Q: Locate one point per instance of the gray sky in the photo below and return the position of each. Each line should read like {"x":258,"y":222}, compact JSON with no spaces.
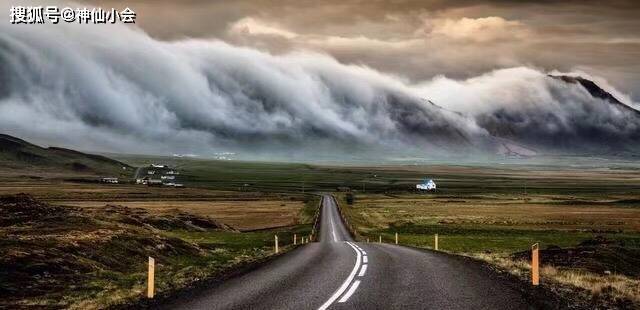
{"x":418,"y":40}
{"x":299,"y":78}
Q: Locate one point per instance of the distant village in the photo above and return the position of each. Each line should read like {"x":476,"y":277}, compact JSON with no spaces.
{"x":153,"y":175}
{"x":163,"y":175}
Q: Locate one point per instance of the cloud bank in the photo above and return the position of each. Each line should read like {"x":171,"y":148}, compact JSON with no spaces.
{"x":542,"y":112}
{"x":115,"y":89}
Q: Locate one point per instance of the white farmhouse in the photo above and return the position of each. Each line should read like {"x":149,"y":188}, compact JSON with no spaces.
{"x":429,"y":185}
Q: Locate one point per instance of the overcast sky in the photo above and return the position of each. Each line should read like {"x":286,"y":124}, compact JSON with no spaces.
{"x":347,"y":78}
{"x":418,"y":40}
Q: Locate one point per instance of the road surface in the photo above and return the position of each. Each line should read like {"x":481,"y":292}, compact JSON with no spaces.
{"x":338,"y":273}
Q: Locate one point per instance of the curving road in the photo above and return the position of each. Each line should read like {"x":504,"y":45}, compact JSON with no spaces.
{"x":338,"y":273}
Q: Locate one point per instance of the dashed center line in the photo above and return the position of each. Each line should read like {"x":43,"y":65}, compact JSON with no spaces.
{"x":363,"y":270}
{"x":351,"y":283}
{"x":333,"y":229}
{"x":346,"y":282}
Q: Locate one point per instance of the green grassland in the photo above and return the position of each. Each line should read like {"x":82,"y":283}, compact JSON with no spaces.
{"x":453,"y":180}
{"x":490,"y":224}
{"x":478,"y":209}
{"x":498,"y":200}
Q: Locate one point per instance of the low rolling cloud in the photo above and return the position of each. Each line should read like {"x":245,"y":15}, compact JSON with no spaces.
{"x":114,"y":88}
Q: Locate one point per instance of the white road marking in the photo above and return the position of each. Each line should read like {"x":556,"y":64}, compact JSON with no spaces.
{"x":365,"y":259}
{"x":346,"y":282}
{"x":352,"y":289}
{"x":333,"y":230}
{"x":364,"y":253}
{"x":363,"y":270}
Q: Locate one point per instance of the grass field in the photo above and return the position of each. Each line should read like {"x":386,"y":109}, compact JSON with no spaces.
{"x":243,"y":215}
{"x":591,"y":179}
{"x":587,"y":222}
{"x":486,"y":211}
{"x":494,"y":223}
{"x":102,"y":250}
{"x":95,"y":256}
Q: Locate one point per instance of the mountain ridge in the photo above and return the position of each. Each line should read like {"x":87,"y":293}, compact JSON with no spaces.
{"x":19,"y":154}
{"x":595,"y":90}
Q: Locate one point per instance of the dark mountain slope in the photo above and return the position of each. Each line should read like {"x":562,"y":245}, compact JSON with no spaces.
{"x":564,"y":123}
{"x":596,"y":91}
{"x":19,"y":154}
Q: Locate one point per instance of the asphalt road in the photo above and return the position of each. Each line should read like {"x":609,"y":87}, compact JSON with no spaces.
{"x":337,"y":273}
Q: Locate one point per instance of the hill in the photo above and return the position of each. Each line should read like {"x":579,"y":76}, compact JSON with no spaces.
{"x":68,"y":257}
{"x":574,"y":116}
{"x":596,"y":91}
{"x":16,"y":153}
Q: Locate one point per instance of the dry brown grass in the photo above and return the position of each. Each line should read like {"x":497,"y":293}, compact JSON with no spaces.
{"x":617,"y":286}
{"x":241,"y":215}
{"x":60,"y":190}
{"x":241,"y":210}
{"x":500,"y":210}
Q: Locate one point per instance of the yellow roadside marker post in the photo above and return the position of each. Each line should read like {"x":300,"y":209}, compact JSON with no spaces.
{"x":295,"y":239}
{"x":396,"y":238}
{"x":535,"y":262}
{"x":151,"y":277}
{"x":276,"y":245}
{"x":380,"y":239}
{"x":436,"y":242}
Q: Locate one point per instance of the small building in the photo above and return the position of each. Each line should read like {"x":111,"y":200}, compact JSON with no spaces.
{"x":168,"y":177}
{"x":159,"y":166}
{"x":142,"y":181}
{"x":151,"y":172}
{"x":109,"y":180}
{"x":427,"y":185}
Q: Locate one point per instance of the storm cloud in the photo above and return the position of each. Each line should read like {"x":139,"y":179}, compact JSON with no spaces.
{"x":419,"y":39}
{"x":86,"y":87}
{"x":549,"y":113}
{"x":113,"y":88}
